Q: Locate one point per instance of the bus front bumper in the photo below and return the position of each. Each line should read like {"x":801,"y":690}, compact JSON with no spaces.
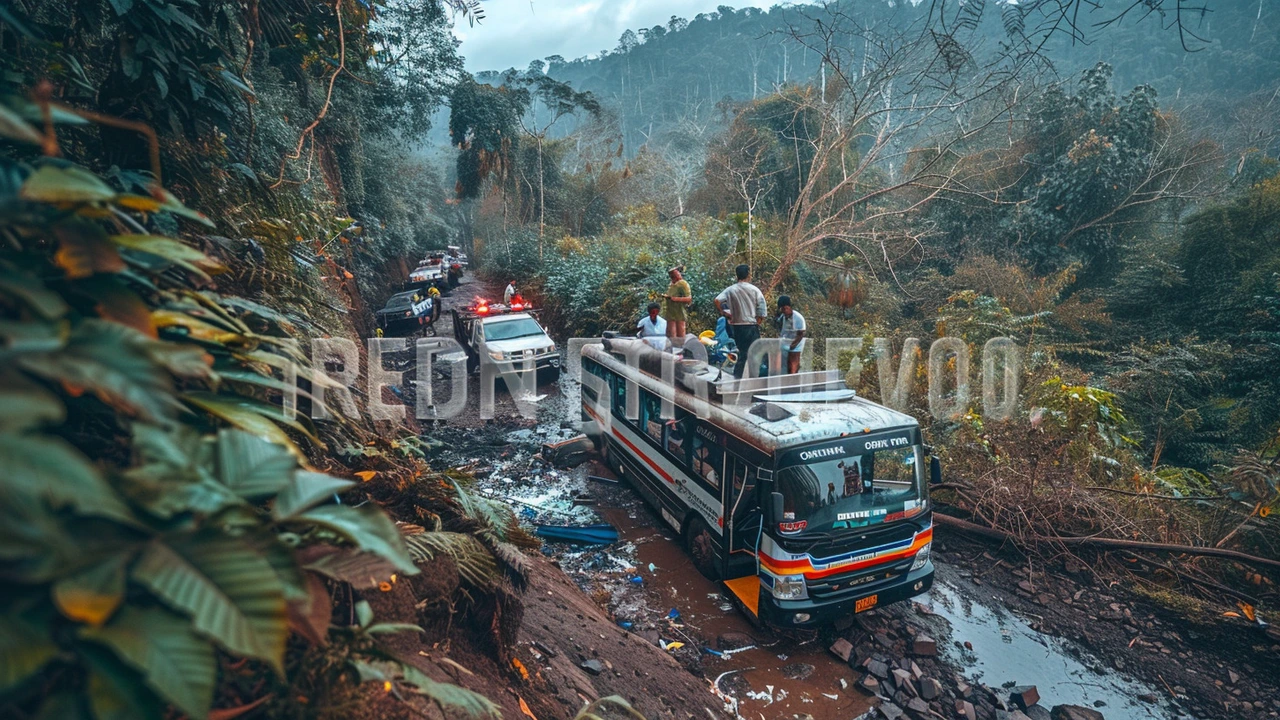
{"x":808,"y":613}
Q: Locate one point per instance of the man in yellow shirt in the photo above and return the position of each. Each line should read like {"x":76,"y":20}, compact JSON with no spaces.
{"x":678,"y":298}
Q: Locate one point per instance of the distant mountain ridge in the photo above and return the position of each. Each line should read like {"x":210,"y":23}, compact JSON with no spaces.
{"x":663,"y":79}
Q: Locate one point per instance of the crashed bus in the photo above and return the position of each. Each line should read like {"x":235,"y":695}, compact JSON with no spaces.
{"x":808,"y":502}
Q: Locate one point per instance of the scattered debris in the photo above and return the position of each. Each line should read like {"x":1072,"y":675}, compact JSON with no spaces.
{"x":567,"y":453}
{"x":924,"y":645}
{"x":842,"y":649}
{"x":1024,"y":696}
{"x":602,"y":534}
{"x":593,"y":666}
{"x":1074,"y":712}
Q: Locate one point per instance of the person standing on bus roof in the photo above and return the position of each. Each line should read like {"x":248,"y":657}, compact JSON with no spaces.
{"x":678,"y":298}
{"x":652,"y":328}
{"x":791,"y":329}
{"x":509,"y":293}
{"x":745,"y":310}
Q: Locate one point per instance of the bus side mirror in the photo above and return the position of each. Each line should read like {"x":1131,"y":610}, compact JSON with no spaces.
{"x":935,"y":471}
{"x":775,"y":506}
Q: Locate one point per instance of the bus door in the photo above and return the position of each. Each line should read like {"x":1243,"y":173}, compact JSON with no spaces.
{"x":742,"y":515}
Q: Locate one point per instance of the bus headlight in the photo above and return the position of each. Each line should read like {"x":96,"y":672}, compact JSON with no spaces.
{"x":922,"y":557}
{"x":790,"y":587}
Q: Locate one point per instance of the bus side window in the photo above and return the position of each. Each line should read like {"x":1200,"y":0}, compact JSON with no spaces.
{"x":651,"y":416}
{"x":678,"y":431}
{"x":708,"y":461}
{"x":619,"y":386}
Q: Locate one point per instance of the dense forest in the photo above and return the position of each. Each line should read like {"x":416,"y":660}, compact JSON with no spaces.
{"x":1106,"y":199}
{"x":192,"y":192}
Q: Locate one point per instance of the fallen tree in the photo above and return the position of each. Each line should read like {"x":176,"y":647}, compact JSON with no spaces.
{"x":1106,"y":543}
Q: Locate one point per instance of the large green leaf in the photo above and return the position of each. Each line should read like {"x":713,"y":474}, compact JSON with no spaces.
{"x":227,"y":409}
{"x":34,"y":294}
{"x":111,"y":361}
{"x":13,"y":127}
{"x":172,"y":473}
{"x":117,"y":691}
{"x":368,"y":527}
{"x":53,"y":470}
{"x":93,"y":594}
{"x":230,"y":590}
{"x":24,"y":649}
{"x":253,"y":467}
{"x":179,"y":665}
{"x":449,"y":696}
{"x":174,"y":251}
{"x":52,"y":184}
{"x":361,"y":569}
{"x":306,"y":489}
{"x":24,"y":404}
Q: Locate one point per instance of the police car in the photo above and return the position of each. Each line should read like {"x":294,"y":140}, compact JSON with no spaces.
{"x":509,"y":337}
{"x":406,"y":313}
{"x":431,"y":272}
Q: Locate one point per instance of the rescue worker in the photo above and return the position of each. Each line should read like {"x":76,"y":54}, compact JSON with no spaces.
{"x":744,"y":306}
{"x":678,"y":298}
{"x":652,"y":328}
{"x":509,"y":293}
{"x":791,"y":329}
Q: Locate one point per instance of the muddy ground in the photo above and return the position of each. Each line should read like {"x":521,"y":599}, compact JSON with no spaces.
{"x":635,"y":619}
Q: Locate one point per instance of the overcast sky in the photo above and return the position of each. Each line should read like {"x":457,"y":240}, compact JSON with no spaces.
{"x":515,"y":32}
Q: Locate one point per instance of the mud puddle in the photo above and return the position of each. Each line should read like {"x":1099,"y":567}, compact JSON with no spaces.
{"x":1000,"y":649}
{"x":761,"y":673}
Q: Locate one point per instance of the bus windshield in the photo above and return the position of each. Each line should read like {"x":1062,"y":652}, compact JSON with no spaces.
{"x":852,"y":491}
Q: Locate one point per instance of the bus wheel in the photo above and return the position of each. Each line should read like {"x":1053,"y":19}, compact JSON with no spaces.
{"x":702,"y":548}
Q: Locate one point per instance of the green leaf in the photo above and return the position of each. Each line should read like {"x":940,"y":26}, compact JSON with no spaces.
{"x":122,"y":6}
{"x":175,"y":206}
{"x":237,"y":83}
{"x":231,"y":592}
{"x":368,"y":672}
{"x":53,"y":470}
{"x":91,"y":595}
{"x":111,"y":361}
{"x":34,"y":294}
{"x":177,"y":664}
{"x":15,"y":128}
{"x":25,"y":404}
{"x":360,"y":569}
{"x":253,"y":467}
{"x":50,"y":184}
{"x":24,"y":649}
{"x":364,"y":613}
{"x":306,"y":489}
{"x":117,"y":691}
{"x":368,"y":528}
{"x":172,"y":250}
{"x":227,"y":409}
{"x":449,"y":696}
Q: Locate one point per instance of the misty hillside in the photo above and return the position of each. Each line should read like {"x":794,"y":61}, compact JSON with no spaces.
{"x":656,"y":78}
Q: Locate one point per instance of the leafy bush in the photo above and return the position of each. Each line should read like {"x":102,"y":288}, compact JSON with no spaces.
{"x":155,"y":499}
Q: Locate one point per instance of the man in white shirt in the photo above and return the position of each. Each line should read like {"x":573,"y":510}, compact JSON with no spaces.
{"x":510,"y":293}
{"x":652,"y":328}
{"x":744,"y":306}
{"x":791,"y":329}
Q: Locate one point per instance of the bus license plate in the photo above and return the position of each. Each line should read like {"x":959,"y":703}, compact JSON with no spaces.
{"x":865,"y":603}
